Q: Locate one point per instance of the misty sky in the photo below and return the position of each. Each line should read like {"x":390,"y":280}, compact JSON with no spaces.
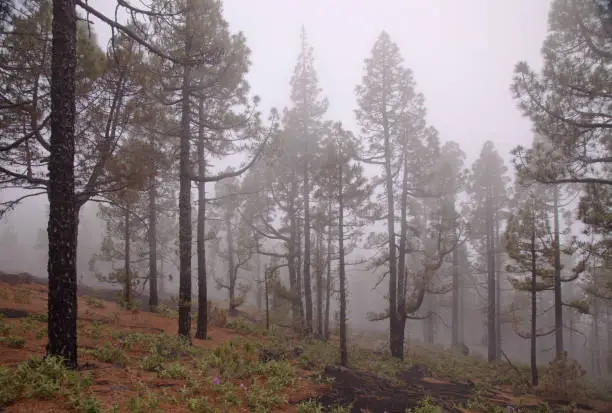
{"x":462,"y":54}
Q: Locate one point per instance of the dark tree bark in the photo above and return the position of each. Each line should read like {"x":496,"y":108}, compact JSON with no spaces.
{"x":307,"y":277}
{"x":395,"y":323}
{"x":185,"y":236}
{"x":127,"y":259}
{"x":231,"y":271}
{"x":328,"y":285}
{"x":498,"y":270}
{"x":319,"y":269}
{"x":558,"y":302}
{"x":63,"y":212}
{"x":152,"y":238}
{"x":342,"y":271}
{"x":202,"y":326}
{"x":491,"y":285}
{"x":534,"y":291}
{"x":455,"y":304}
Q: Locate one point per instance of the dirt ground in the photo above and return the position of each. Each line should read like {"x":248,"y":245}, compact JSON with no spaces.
{"x":115,"y":385}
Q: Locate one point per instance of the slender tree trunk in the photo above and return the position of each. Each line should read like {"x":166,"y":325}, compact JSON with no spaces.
{"x":319,"y":270}
{"x":328,"y":285}
{"x":491,"y":286}
{"x":231,"y":272}
{"x":570,"y":334}
{"x":557,"y":289}
{"x":595,"y":347}
{"x":455,"y":320}
{"x":293,"y":252}
{"x":307,"y":276}
{"x":162,"y":279}
{"x":127,"y":259}
{"x":267,"y":297}
{"x":260,"y":287}
{"x":534,"y":366}
{"x":152,"y":238}
{"x":184,"y":201}
{"x":342,"y":271}
{"x":401,"y":260}
{"x":395,"y":335}
{"x":299,"y":273}
{"x":62,"y":228}
{"x":202,"y":324}
{"x":498,"y":295}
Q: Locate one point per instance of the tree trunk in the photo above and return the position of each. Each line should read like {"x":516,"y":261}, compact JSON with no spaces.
{"x":293,"y":252}
{"x":342,"y":272}
{"x":595,"y":348}
{"x":307,"y":277}
{"x":491,"y":336}
{"x":328,"y":285}
{"x":498,"y":295}
{"x":127,"y":259}
{"x":319,"y":267}
{"x":162,"y":279}
{"x":534,"y":366}
{"x":396,"y":344}
{"x":267,"y":297}
{"x":63,"y":212}
{"x":402,"y":273}
{"x":260,"y":287}
{"x":231,"y":272}
{"x":202,"y":324}
{"x":152,"y":238}
{"x":455,"y":315}
{"x":558,"y":302}
{"x":184,"y":201}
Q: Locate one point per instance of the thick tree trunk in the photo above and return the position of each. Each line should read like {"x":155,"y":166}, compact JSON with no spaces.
{"x":63,"y":212}
{"x":342,"y":272}
{"x":202,"y":324}
{"x":184,"y":201}
{"x":127,"y":259}
{"x":534,"y":366}
{"x":152,"y":238}
{"x":558,"y":302}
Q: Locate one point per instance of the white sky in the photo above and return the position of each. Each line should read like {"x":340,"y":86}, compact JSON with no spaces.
{"x":462,"y":54}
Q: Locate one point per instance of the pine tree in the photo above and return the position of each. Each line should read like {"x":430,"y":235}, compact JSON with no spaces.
{"x":529,"y":244}
{"x":488,"y":197}
{"x":351,"y":191}
{"x":396,"y":138}
{"x":305,"y":118}
{"x":565,"y":100}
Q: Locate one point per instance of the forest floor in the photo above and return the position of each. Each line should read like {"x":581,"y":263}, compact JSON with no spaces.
{"x":132,"y":361}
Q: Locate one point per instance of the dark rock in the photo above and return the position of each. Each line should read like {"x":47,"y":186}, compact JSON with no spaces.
{"x":415,"y":372}
{"x":12,"y":313}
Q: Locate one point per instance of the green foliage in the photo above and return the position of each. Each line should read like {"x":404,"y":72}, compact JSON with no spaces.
{"x":110,"y":354}
{"x":426,"y":406}
{"x":45,"y":379}
{"x":22,"y":295}
{"x":13,"y":342}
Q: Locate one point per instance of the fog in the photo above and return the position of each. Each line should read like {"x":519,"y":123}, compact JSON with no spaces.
{"x":462,"y":56}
